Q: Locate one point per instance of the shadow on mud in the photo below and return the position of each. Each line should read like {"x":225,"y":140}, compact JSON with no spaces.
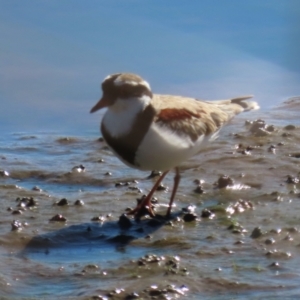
{"x":77,"y":240}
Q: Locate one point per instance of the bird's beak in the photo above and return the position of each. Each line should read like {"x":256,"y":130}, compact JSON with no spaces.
{"x":103,"y":102}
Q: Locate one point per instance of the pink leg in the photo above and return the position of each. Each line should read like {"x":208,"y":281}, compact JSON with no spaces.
{"x":146,"y":202}
{"x":176,"y":183}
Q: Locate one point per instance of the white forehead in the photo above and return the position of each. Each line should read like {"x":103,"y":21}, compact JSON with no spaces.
{"x":119,"y":81}
{"x":107,"y":77}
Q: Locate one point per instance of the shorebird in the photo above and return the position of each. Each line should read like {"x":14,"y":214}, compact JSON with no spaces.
{"x":149,"y":131}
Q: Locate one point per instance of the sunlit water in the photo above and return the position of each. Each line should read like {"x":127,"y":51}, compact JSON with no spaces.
{"x":216,"y":257}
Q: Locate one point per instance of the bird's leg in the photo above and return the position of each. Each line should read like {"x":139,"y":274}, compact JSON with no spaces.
{"x":146,"y":202}
{"x":176,"y":183}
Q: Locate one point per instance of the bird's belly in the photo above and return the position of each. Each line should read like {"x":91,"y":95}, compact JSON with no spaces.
{"x":162,"y":149}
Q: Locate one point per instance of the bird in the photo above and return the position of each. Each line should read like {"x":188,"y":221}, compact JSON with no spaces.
{"x":148,"y":131}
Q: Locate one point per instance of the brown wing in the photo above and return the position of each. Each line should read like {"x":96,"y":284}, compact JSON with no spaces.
{"x":193,"y":117}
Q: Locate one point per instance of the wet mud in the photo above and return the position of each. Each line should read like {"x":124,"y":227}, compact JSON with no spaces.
{"x":234,"y":231}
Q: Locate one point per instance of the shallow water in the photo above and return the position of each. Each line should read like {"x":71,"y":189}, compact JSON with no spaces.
{"x":210,"y":258}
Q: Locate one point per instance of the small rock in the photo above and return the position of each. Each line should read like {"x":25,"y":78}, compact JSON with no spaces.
{"x":190,"y":217}
{"x":4,"y":173}
{"x":37,"y":189}
{"x":274,"y":264}
{"x":62,"y":202}
{"x":16,"y":225}
{"x":31,"y":202}
{"x":132,"y":296}
{"x":79,"y":202}
{"x":154,"y":174}
{"x":120,"y":184}
{"x":98,"y":219}
{"x":256,"y":233}
{"x":124,"y":222}
{"x":256,"y":125}
{"x":206,"y":213}
{"x":199,"y":189}
{"x":270,"y":241}
{"x":260,"y":132}
{"x":58,"y":218}
{"x":78,"y":169}
{"x":270,"y":128}
{"x":272,"y":149}
{"x":290,"y":127}
{"x":292,"y":179}
{"x":161,"y":187}
{"x":224,"y":181}
{"x":189,"y":209}
{"x":286,"y":135}
{"x":295,"y":155}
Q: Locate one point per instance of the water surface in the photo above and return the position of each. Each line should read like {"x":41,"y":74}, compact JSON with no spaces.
{"x":211,"y":258}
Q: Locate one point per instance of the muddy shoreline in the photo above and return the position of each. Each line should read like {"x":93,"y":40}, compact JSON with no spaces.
{"x":234,"y":231}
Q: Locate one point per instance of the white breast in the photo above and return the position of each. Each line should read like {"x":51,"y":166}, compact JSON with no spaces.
{"x":162,"y":149}
{"x":119,"y":118}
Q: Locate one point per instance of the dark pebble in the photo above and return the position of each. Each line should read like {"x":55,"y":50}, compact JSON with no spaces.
{"x":272,"y":149}
{"x":270,"y":128}
{"x":124,"y":222}
{"x":79,"y":169}
{"x":79,"y":202}
{"x":21,"y":204}
{"x":16,"y":212}
{"x":199,"y":189}
{"x":224,"y":181}
{"x":108,"y":174}
{"x":154,"y":174}
{"x":58,"y":218}
{"x":62,"y":202}
{"x":206,"y":213}
{"x":270,"y":241}
{"x":31,"y":202}
{"x":26,"y":202}
{"x":239,"y":242}
{"x":161,"y":187}
{"x":4,"y":173}
{"x":274,"y":264}
{"x":37,"y":189}
{"x":135,"y":188}
{"x":189,"y":209}
{"x":286,"y":134}
{"x":132,"y":296}
{"x":120,"y":184}
{"x":190,"y":217}
{"x":257,"y":124}
{"x":256,"y":233}
{"x":98,"y":219}
{"x":16,"y":225}
{"x":292,"y":179}
{"x":290,"y":127}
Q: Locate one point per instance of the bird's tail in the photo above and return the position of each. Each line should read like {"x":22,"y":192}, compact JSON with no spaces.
{"x":236,"y":105}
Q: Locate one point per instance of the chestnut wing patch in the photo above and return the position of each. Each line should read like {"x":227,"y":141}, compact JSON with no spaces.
{"x":185,"y":122}
{"x":172,"y":114}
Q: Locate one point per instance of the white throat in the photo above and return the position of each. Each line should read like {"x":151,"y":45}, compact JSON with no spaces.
{"x":119,"y":118}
